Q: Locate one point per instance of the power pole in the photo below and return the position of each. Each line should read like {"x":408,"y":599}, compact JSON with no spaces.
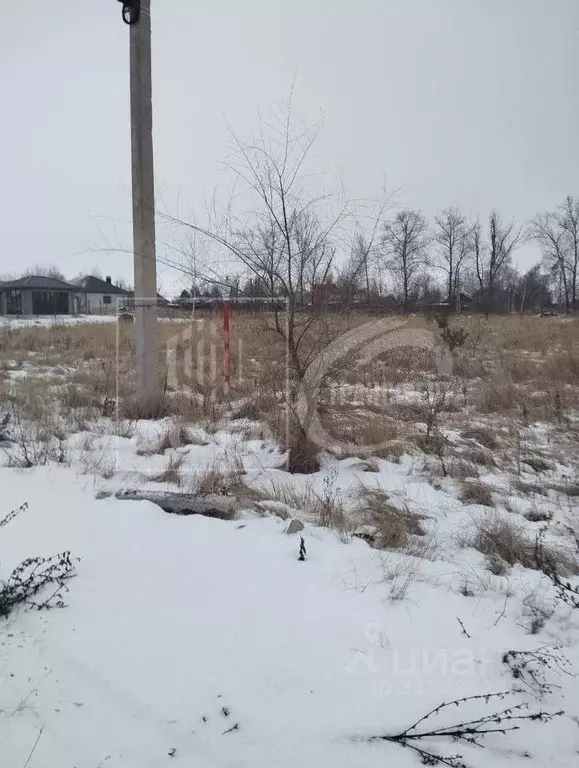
{"x":137,"y":14}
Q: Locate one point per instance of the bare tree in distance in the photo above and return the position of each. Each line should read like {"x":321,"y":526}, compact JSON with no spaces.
{"x":42,"y":270}
{"x":545,"y":229}
{"x":451,"y":246}
{"x":532,"y":290}
{"x":276,"y":229}
{"x":493,"y":256}
{"x":569,"y":220}
{"x":405,"y":241}
{"x":366,"y":245}
{"x":123,"y":284}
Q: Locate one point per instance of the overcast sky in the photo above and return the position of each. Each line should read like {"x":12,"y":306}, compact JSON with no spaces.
{"x":459,"y":102}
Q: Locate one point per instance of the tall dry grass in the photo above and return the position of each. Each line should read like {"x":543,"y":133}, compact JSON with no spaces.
{"x":510,"y":370}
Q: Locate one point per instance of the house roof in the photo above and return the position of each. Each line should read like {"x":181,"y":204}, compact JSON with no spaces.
{"x":92,"y":284}
{"x":37,"y":283}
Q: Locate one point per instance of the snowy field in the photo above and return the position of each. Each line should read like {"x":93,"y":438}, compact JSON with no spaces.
{"x":51,"y":321}
{"x":192,"y":641}
{"x":178,"y":629}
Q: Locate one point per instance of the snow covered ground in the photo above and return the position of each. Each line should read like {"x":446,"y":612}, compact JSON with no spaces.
{"x":198,"y":642}
{"x":48,"y":321}
{"x":60,"y":321}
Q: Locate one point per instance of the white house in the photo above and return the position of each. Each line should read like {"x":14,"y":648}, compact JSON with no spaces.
{"x":98,"y":296}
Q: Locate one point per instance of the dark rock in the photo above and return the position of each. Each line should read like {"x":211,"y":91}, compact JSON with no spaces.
{"x":212,"y":505}
{"x":295,"y":526}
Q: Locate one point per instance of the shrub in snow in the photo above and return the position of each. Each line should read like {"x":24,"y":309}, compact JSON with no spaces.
{"x":496,"y":565}
{"x":37,"y":581}
{"x":497,"y":536}
{"x":548,"y":561}
{"x":476,"y":493}
{"x":393,"y":527}
{"x":454,"y":337}
{"x":4,"y":421}
{"x":468,"y":730}
{"x":530,"y":668}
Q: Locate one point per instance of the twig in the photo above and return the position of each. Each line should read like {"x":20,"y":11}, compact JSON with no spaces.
{"x":32,"y":690}
{"x":468,"y":731}
{"x":464,"y":632}
{"x":531,"y":667}
{"x":11,"y":515}
{"x":32,"y":751}
{"x":503,"y":612}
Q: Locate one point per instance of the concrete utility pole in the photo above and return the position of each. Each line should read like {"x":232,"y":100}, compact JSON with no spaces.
{"x":137,"y":14}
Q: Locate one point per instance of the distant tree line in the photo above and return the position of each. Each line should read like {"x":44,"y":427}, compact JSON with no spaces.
{"x":281,"y":235}
{"x":405,"y":262}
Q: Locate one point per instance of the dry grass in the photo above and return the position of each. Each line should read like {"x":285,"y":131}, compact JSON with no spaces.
{"x":325,"y":508}
{"x":301,"y":499}
{"x":499,"y":395}
{"x":177,"y":435}
{"x":475,"y":492}
{"x":172,"y":471}
{"x":483,"y":435}
{"x":400,"y":571}
{"x":330,"y":513}
{"x":527,"y":488}
{"x":394,"y":451}
{"x":537,"y":463}
{"x":461,"y":468}
{"x":212,"y":480}
{"x":395,"y":527}
{"x":224,"y":478}
{"x":369,"y":465}
{"x":479,"y":456}
{"x":538,"y":515}
{"x":517,"y":368}
{"x":100,"y":462}
{"x":570,"y":488}
{"x":376,"y":432}
{"x":499,"y":537}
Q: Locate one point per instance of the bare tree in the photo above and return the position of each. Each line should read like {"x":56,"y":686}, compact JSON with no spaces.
{"x":568,"y":219}
{"x":546,"y":230}
{"x":532,"y":290}
{"x":365,"y":250}
{"x":123,"y":284}
{"x":42,"y":270}
{"x":450,"y":240}
{"x":405,"y":240}
{"x":279,"y":232}
{"x":492,"y":258}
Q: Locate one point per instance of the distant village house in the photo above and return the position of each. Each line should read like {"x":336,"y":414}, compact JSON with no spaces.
{"x":37,"y":295}
{"x":41,"y":295}
{"x":96,"y":296}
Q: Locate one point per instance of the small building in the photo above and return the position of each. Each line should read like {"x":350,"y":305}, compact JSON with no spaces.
{"x":37,"y":295}
{"x":98,"y":296}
